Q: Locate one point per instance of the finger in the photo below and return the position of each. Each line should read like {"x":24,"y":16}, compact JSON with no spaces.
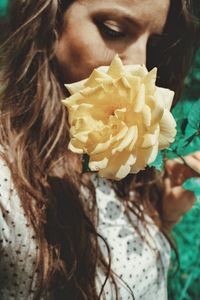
{"x":196,"y":155}
{"x":183,"y":195}
{"x":177,"y":202}
{"x":177,"y":192}
{"x":178,"y":173}
{"x":192,"y":159}
{"x":169,"y":165}
{"x":167,"y":185}
{"x":186,"y":199}
{"x":193,"y":162}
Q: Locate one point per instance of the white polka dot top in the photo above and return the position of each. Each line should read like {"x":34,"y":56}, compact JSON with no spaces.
{"x":140,"y":267}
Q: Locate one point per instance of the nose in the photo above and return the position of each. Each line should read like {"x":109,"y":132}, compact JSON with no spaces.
{"x":136,"y":52}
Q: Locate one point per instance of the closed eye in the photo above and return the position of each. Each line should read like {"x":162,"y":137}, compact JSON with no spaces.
{"x":110,"y":30}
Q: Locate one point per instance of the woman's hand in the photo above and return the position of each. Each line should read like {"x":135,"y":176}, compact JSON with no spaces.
{"x":177,"y":201}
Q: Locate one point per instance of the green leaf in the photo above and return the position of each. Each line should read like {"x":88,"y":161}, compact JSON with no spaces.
{"x":182,"y":108}
{"x":186,"y":146}
{"x":193,"y":185}
{"x":3,"y":7}
{"x":194,"y":145}
{"x":85,"y":163}
{"x":187,"y":115}
{"x":197,"y":75}
{"x":194,"y":115}
{"x":158,"y":162}
{"x":190,"y":131}
{"x":170,"y":153}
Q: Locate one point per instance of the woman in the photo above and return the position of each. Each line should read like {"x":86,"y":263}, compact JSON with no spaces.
{"x":68,"y":235}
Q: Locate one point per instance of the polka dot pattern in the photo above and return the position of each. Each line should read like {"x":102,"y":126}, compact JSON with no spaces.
{"x":18,"y":248}
{"x":140,"y":267}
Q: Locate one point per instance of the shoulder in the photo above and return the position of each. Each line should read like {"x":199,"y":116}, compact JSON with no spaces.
{"x":18,"y":248}
{"x":9,"y":201}
{"x":6,"y":184}
{"x":12,"y":216}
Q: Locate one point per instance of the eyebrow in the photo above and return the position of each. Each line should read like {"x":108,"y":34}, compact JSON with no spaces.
{"x":128,"y":17}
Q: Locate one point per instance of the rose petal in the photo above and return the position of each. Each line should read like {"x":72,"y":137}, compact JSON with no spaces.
{"x":73,"y":100}
{"x":156,"y":110}
{"x":143,"y":156}
{"x":119,"y":135}
{"x":116,"y":68}
{"x":139,"y":71}
{"x":85,"y":123}
{"x":167,"y":130}
{"x":140,"y":99}
{"x":135,"y":83}
{"x":81,"y":136}
{"x":122,"y":92}
{"x":132,"y":144}
{"x":101,"y":147}
{"x":153,"y":154}
{"x":164,"y":97}
{"x":120,"y":113}
{"x":75,"y":146}
{"x":151,"y":138}
{"x":150,"y":80}
{"x":98,"y":165}
{"x":79,"y":112}
{"x":115,"y":169}
{"x":127,"y":140}
{"x":146,"y":114}
{"x":76,"y":86}
{"x":95,"y":77}
{"x":124,"y":170}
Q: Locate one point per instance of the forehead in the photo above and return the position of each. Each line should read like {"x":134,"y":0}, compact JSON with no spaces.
{"x":151,"y":13}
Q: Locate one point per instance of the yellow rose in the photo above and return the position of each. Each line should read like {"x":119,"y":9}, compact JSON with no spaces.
{"x":120,"y":118}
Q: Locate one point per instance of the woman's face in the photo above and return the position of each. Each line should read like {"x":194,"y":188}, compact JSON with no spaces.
{"x":95,"y":30}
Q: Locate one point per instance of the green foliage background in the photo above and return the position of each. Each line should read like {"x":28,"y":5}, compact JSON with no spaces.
{"x":185,"y":283}
{"x":3,"y":7}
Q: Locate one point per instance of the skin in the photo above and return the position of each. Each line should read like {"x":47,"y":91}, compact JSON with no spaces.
{"x":86,"y":41}
{"x":93,"y":32}
{"x":177,"y":201}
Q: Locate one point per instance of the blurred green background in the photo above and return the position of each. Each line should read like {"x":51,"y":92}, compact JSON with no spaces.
{"x":184,"y":283}
{"x":3,"y":7}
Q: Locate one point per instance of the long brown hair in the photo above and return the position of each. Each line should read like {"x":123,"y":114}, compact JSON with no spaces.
{"x":34,"y":136}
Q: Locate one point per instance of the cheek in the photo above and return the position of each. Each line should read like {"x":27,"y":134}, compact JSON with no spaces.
{"x":78,"y":55}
